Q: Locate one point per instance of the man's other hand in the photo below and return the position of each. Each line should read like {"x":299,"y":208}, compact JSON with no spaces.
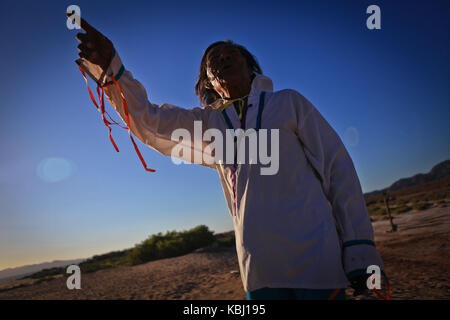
{"x":359,"y":284}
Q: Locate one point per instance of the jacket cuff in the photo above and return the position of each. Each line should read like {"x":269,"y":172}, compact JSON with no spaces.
{"x":100,"y":76}
{"x":358,"y":255}
{"x":115,"y":69}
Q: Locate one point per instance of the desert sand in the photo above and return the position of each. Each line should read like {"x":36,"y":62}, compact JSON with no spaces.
{"x":416,"y":258}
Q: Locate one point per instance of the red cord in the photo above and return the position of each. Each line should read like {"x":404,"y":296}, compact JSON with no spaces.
{"x":378,"y":294}
{"x":101,"y":109}
{"x":388,"y":290}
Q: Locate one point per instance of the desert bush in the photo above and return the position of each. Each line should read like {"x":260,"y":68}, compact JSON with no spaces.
{"x":439,"y":195}
{"x":421,"y":206}
{"x":171,"y":244}
{"x":375,"y":210}
{"x":400,"y":209}
{"x":108,"y":260}
{"x":226,"y":239}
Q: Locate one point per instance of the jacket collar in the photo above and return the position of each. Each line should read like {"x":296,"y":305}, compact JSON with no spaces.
{"x":259,"y":83}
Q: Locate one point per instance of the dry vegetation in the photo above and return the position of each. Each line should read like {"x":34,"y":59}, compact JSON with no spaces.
{"x":410,"y":199}
{"x":416,"y":259}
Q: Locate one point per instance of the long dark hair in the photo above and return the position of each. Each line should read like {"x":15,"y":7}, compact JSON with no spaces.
{"x":203,"y":90}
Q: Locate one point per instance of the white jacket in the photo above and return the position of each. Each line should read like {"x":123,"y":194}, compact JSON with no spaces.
{"x":306,"y":226}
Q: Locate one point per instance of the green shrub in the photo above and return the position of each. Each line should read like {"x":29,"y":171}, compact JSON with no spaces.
{"x":171,"y":244}
{"x":107,"y":260}
{"x":226,"y":239}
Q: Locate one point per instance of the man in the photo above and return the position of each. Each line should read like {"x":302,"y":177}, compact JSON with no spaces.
{"x":301,"y":233}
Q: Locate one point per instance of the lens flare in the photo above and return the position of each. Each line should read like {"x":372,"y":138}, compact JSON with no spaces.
{"x":55,"y":169}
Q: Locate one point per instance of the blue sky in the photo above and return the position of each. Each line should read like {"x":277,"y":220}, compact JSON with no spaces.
{"x":65,"y":192}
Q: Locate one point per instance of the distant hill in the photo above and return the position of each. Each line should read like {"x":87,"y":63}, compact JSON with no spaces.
{"x":19,"y":272}
{"x":438,"y":172}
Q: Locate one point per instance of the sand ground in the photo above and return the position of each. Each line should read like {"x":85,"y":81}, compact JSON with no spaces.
{"x":416,"y":257}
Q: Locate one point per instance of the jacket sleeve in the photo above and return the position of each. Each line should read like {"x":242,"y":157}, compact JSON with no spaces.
{"x":329,"y":158}
{"x":153,"y":124}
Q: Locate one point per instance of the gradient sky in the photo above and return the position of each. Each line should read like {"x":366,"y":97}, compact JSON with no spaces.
{"x":64,"y":191}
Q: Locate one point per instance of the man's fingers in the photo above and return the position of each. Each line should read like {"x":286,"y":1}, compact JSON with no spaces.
{"x":84,"y":24}
{"x":83,"y":55}
{"x":82,"y":37}
{"x":94,"y":46}
{"x":84,"y":48}
{"x":89,"y":54}
{"x":87,"y":27}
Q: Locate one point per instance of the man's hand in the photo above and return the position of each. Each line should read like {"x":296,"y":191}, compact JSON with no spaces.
{"x":94,"y":46}
{"x":359,"y":284}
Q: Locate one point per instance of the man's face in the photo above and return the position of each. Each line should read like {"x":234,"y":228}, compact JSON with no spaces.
{"x":226,"y":67}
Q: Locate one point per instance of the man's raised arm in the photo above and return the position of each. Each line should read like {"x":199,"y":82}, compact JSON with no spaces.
{"x":152,"y":124}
